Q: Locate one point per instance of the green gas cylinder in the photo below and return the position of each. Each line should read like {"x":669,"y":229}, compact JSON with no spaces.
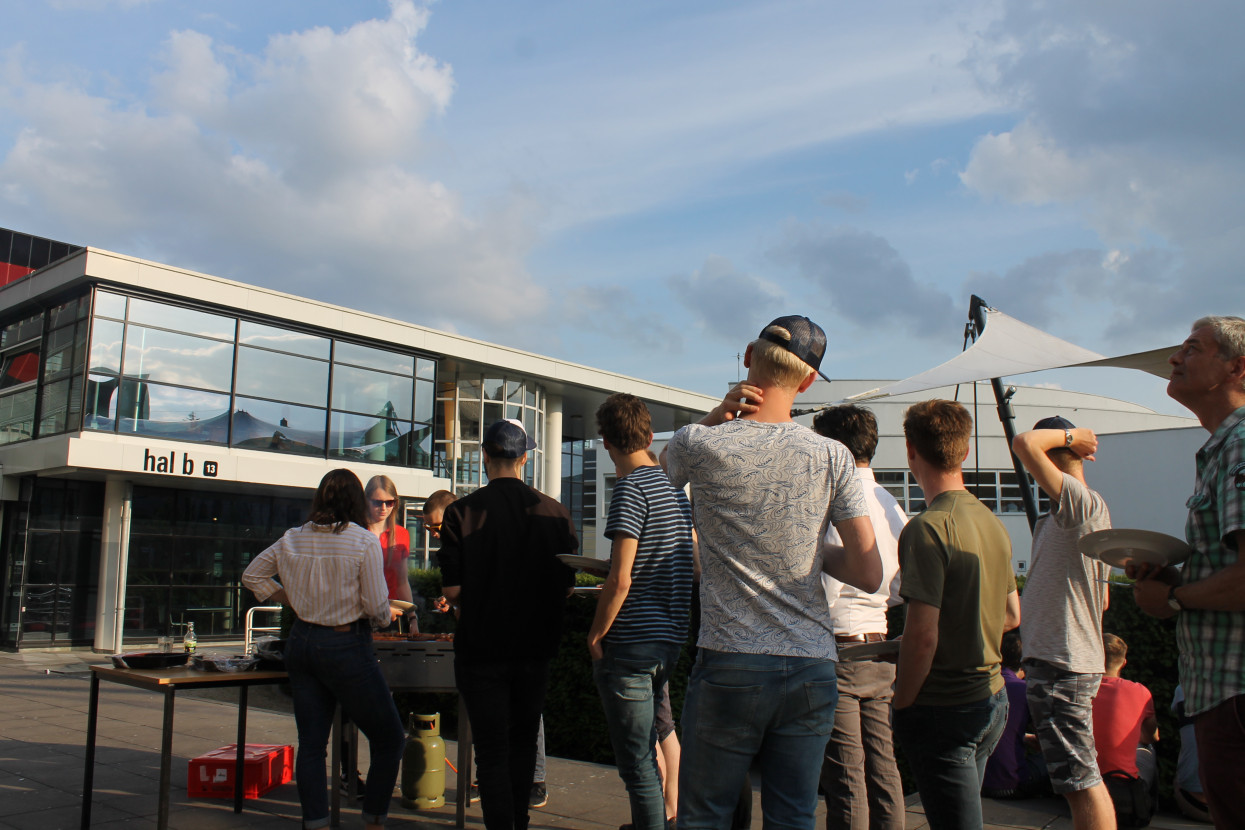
{"x":423,"y":764}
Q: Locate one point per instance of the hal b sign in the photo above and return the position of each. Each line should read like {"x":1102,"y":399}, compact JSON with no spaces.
{"x":171,"y":465}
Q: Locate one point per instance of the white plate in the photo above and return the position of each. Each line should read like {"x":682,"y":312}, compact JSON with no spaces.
{"x":586,"y":563}
{"x":849,"y":652}
{"x":401,"y":604}
{"x":1122,"y":547}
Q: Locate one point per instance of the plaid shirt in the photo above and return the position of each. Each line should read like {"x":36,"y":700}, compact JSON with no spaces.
{"x":1212,"y":643}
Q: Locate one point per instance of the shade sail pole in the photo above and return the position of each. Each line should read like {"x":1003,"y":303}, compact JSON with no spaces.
{"x":977,"y":313}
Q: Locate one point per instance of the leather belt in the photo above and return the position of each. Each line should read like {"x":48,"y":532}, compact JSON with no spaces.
{"x":871,"y":637}
{"x":341,"y":629}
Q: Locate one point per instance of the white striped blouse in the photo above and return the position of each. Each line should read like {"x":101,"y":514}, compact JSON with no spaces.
{"x":330,"y":578}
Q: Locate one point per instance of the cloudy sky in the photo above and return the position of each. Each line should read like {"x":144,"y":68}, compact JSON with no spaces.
{"x":640,"y":186}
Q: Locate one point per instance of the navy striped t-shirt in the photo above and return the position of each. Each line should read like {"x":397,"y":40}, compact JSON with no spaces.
{"x":647,"y":508}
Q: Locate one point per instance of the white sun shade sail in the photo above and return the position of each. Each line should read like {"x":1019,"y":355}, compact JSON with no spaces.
{"x":1010,"y":347}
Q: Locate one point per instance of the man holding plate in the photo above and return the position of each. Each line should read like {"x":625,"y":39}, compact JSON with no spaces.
{"x":1208,"y":377}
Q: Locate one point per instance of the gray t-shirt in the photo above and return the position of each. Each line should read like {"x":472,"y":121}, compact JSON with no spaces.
{"x":762,"y":497}
{"x":1061,"y":608}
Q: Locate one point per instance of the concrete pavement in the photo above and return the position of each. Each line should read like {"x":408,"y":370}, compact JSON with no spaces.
{"x":43,"y":698}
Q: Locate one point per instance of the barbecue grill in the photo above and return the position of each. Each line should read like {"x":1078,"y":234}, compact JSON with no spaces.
{"x":416,"y":665}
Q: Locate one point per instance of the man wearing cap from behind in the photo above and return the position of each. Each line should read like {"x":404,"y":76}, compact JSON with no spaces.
{"x":499,"y":565}
{"x":764,"y":490}
{"x":1061,"y":616}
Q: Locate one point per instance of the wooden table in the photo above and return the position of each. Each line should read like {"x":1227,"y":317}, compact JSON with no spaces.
{"x":167,"y":682}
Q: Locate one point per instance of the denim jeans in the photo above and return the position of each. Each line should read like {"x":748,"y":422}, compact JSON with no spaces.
{"x":326,"y":668}
{"x":774,"y":709}
{"x":630,"y":678}
{"x":947,"y":748}
{"x":504,"y":699}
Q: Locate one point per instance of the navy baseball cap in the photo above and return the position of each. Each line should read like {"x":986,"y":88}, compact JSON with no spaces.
{"x":807,"y":342}
{"x":508,"y":438}
{"x":1054,"y":422}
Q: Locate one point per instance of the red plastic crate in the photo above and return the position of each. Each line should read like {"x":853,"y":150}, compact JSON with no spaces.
{"x":266,"y":766}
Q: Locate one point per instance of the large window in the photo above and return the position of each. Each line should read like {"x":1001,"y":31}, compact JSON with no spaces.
{"x":187,"y":553}
{"x":465,"y":407}
{"x":997,"y":489}
{"x":20,"y":345}
{"x":53,"y":563}
{"x":190,"y":375}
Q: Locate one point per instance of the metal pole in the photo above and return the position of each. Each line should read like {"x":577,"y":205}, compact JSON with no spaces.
{"x":977,"y":311}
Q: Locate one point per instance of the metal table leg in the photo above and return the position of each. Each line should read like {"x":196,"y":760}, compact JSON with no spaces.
{"x":88,"y":775}
{"x":239,"y":770}
{"x":166,"y":759}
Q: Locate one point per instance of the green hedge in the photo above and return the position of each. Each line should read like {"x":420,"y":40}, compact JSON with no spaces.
{"x":575,"y":727}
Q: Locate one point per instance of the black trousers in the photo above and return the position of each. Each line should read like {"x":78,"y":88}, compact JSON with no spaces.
{"x":504,"y":699}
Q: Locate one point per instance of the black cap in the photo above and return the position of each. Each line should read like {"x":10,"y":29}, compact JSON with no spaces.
{"x":1054,"y":422}
{"x":507,"y":439}
{"x":808,"y":341}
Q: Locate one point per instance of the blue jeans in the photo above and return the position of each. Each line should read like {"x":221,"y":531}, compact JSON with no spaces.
{"x":947,"y":748}
{"x":504,"y":699}
{"x":328,"y":667}
{"x":778,"y":710}
{"x":630,"y":678}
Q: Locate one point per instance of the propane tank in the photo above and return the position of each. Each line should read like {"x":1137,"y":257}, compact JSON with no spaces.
{"x":423,"y":764}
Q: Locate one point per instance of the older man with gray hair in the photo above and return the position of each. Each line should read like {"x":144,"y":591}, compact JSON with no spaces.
{"x":1208,"y":377}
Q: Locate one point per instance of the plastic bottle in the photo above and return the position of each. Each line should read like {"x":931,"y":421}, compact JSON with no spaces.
{"x":189,"y":640}
{"x":423,"y":764}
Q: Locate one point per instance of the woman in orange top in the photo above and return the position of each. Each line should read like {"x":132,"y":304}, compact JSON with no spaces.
{"x":383,"y":507}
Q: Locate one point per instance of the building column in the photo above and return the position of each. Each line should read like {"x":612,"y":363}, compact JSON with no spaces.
{"x":114,"y":558}
{"x":552,"y":484}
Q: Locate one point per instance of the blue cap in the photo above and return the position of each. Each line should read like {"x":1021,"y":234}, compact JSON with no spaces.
{"x":1054,"y":422}
{"x":507,"y":439}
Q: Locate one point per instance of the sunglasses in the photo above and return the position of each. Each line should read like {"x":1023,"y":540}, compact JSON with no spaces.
{"x":378,"y":503}
{"x":434,"y":527}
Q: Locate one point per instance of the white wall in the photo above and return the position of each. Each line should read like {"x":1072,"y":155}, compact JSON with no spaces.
{"x":1146,"y":477}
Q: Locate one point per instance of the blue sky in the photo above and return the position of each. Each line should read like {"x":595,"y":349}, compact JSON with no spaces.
{"x":641,"y":186}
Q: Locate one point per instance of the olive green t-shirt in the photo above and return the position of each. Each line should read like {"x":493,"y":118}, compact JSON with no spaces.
{"x":957,"y":557}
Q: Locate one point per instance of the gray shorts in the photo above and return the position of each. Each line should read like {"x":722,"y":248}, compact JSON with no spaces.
{"x":1062,"y":706}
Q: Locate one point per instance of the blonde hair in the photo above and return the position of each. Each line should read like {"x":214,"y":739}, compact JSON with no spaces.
{"x":386,"y":483}
{"x":772,"y":362}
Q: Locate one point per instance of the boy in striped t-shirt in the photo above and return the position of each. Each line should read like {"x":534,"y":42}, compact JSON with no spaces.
{"x":642,"y":613}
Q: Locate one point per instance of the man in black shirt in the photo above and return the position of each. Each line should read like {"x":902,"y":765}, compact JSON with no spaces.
{"x":499,"y":565}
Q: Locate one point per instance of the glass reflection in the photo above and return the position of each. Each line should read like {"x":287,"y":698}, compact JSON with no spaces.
{"x":424,"y":401}
{"x":17,"y":416}
{"x":106,"y":346}
{"x":361,"y":390}
{"x":285,"y":340}
{"x":155,"y":355}
{"x":368,"y":438}
{"x":176,"y":414}
{"x":281,"y":427}
{"x":385,"y":361}
{"x":186,"y":320}
{"x":108,"y":304}
{"x":281,"y":376}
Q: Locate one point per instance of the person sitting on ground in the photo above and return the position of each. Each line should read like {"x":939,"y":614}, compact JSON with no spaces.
{"x":1011,"y":772}
{"x":1125,"y":728}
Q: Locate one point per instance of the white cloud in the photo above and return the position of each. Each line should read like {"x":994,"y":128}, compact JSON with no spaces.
{"x":1127,"y":119}
{"x":296,"y":167}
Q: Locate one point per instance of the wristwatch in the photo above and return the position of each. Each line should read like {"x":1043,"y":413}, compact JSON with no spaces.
{"x":1067,"y":438}
{"x":1172,"y":600}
